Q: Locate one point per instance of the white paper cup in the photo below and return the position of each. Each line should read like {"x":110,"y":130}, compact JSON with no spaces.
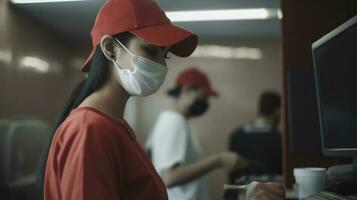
{"x":309,"y":181}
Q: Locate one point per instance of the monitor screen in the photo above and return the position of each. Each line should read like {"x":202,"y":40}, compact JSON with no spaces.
{"x":301,"y":96}
{"x":335,"y":60}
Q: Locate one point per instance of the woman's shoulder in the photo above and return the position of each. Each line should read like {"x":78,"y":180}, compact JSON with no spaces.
{"x":91,"y":116}
{"x":93,"y":122}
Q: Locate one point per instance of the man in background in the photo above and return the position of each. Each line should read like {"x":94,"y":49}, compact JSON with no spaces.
{"x":260,"y":142}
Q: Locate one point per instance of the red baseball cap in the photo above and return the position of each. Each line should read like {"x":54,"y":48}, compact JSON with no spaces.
{"x":145,"y":20}
{"x":196,"y":78}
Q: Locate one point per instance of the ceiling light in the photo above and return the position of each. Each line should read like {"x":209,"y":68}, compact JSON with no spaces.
{"x":41,"y":1}
{"x":280,"y":14}
{"x":222,"y":15}
{"x":197,"y":15}
{"x":34,"y":64}
{"x":227,"y":52}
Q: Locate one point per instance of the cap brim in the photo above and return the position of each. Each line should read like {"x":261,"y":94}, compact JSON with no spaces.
{"x":211,"y":92}
{"x":182,"y":42}
{"x":207,"y":90}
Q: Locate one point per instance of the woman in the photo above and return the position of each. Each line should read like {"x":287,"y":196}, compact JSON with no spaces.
{"x":93,"y":152}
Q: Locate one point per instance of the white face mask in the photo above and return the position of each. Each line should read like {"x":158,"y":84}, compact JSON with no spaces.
{"x":146,"y":78}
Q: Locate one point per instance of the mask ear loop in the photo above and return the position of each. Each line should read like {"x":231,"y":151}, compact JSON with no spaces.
{"x":117,"y":41}
{"x":121,"y":45}
{"x":131,"y":53}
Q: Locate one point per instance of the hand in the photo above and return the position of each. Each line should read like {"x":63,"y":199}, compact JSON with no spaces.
{"x":231,"y":161}
{"x":265,"y":191}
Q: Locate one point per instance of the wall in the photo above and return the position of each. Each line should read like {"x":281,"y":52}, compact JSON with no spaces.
{"x":38,"y":85}
{"x":239,"y":82}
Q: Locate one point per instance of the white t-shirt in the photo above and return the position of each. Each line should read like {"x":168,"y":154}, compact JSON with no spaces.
{"x":171,"y":142}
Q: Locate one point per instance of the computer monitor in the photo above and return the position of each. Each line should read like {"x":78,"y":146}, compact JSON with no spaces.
{"x":335,"y":66}
{"x":301,"y":97}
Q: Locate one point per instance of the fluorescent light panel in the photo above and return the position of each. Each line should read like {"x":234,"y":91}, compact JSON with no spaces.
{"x":227,"y":52}
{"x":42,"y":1}
{"x":35,"y":64}
{"x":197,"y":15}
{"x":222,"y":15}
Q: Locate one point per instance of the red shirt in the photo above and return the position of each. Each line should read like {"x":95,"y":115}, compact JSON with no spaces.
{"x":94,"y":157}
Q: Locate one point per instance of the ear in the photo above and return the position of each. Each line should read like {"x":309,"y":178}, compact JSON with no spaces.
{"x":107,"y":46}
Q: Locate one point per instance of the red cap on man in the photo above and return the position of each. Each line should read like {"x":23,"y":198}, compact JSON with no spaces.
{"x":145,"y":20}
{"x":196,"y":78}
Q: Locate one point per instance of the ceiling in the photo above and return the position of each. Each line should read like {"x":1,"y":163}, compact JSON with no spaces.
{"x":73,"y":20}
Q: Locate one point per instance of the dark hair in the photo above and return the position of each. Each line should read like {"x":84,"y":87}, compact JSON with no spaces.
{"x":97,"y":77}
{"x":269,"y":102}
{"x":174,"y":92}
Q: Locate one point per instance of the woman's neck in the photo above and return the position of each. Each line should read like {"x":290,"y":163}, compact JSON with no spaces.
{"x":110,"y":99}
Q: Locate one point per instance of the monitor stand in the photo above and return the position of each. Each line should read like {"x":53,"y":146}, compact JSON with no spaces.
{"x":342,"y":179}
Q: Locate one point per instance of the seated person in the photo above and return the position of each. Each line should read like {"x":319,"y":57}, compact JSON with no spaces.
{"x":260,"y":142}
